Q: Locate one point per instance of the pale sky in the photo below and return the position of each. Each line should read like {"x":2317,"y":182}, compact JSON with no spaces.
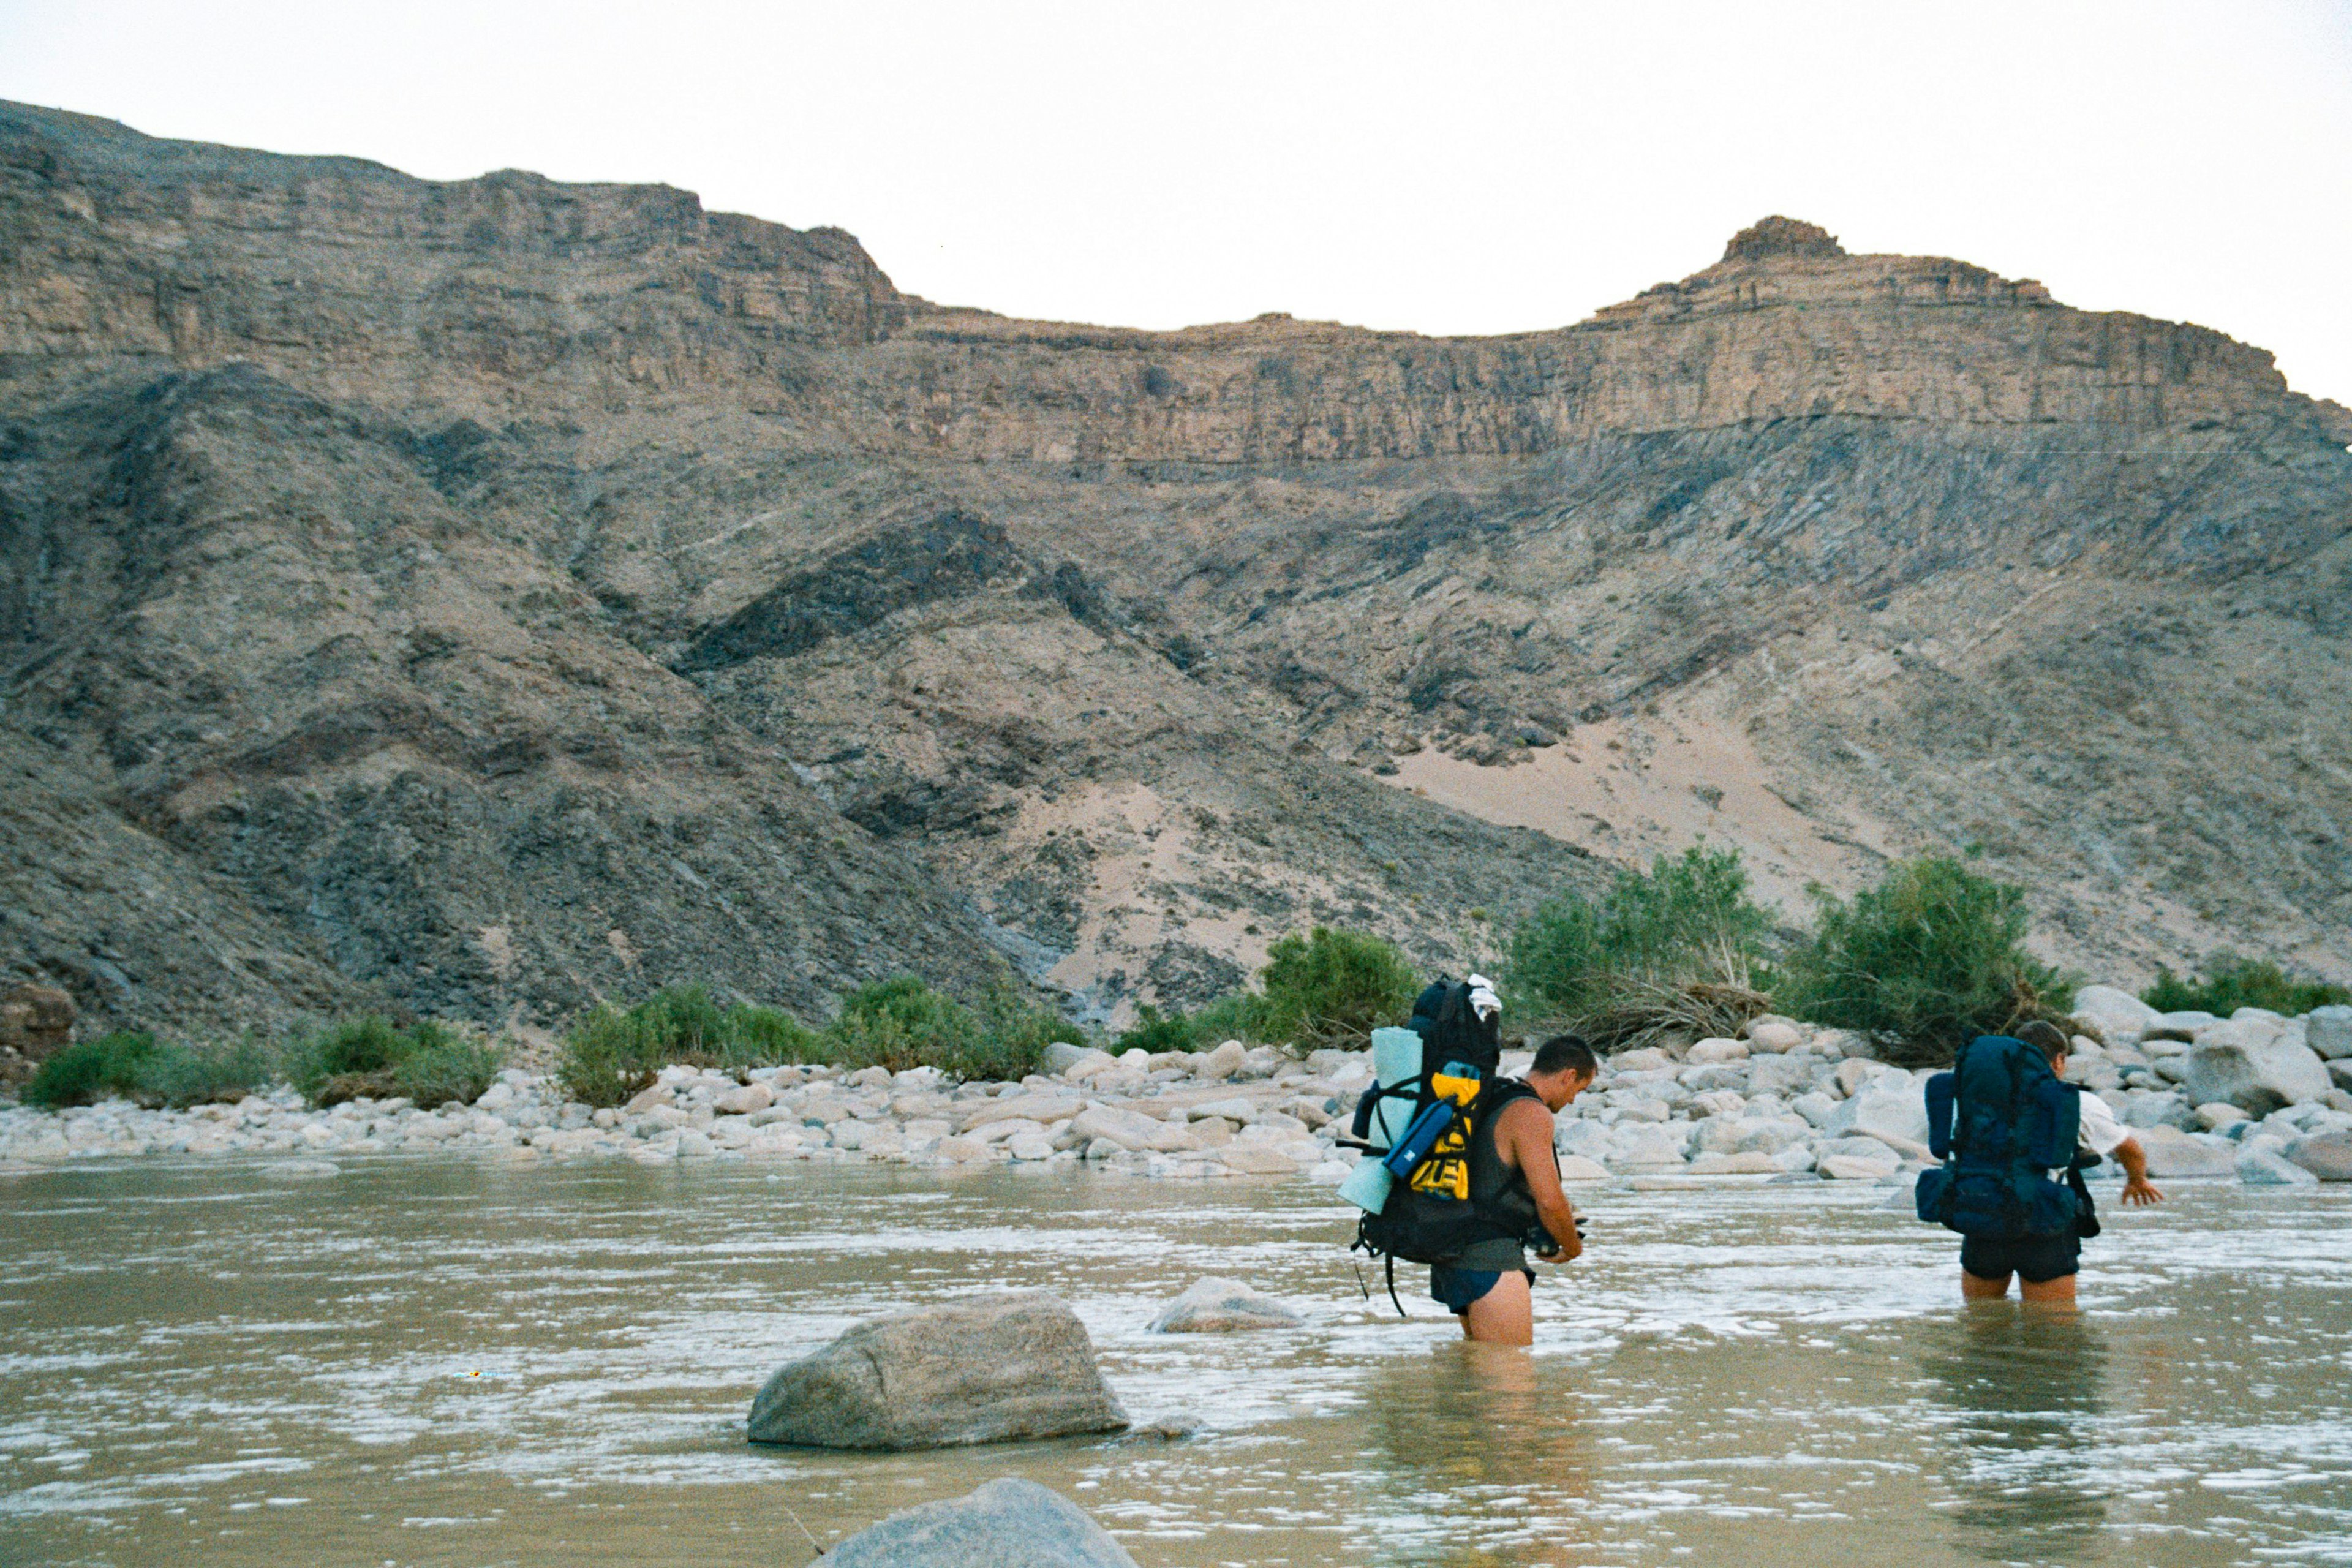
{"x":1449,"y":166}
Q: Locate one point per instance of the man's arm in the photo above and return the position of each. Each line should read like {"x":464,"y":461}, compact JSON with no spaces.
{"x":2138,"y":1188}
{"x":1526,"y":1129}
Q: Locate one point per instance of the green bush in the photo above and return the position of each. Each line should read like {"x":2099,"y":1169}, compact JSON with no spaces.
{"x":1239,"y":1017}
{"x":1331,"y":986}
{"x":90,"y":1070}
{"x":182,"y":1076}
{"x":1671,"y":951}
{"x":138,"y":1066}
{"x":1924,"y":961}
{"x":612,"y":1054}
{"x":2232,"y":982}
{"x":1155,"y":1031}
{"x":902,"y":1023}
{"x":427,"y":1061}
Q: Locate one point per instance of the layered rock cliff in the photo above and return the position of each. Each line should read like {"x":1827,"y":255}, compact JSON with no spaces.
{"x":495,"y":593}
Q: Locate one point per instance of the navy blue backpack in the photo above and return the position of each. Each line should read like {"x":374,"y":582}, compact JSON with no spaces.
{"x":2001,"y":1121}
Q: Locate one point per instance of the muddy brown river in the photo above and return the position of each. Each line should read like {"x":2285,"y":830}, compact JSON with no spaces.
{"x":431,"y":1361}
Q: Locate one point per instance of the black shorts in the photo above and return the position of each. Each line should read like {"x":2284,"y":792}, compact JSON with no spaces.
{"x":2036,"y":1260}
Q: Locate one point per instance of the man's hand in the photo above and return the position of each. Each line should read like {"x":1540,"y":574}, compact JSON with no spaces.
{"x":1561,"y":1251}
{"x":2137,"y":1189}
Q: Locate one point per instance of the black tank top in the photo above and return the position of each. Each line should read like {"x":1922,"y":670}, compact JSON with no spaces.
{"x":1498,"y":1191}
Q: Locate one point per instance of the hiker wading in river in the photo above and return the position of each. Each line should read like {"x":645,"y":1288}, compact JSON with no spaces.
{"x":2009,"y":1122}
{"x":1515,"y":1189}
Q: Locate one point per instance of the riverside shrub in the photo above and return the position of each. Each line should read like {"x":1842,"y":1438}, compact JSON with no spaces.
{"x":1672,"y":950}
{"x":370,"y":1055}
{"x":1331,"y":987}
{"x":2230,"y":982}
{"x":1923,"y":963}
{"x":139,"y":1067}
{"x":612,"y":1054}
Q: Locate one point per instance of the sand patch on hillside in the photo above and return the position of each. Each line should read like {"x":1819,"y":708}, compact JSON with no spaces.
{"x":1631,"y":789}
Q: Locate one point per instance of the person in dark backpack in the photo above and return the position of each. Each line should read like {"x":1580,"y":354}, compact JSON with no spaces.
{"x":2046,"y":1262}
{"x":1514,"y":1187}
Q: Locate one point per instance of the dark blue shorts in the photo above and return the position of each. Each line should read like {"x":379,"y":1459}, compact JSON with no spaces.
{"x":2036,"y":1260}
{"x":1457,"y":1288}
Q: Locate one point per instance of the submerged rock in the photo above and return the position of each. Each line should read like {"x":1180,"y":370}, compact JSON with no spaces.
{"x":1210,"y":1305}
{"x":1008,"y":1523}
{"x":1003,"y":1368}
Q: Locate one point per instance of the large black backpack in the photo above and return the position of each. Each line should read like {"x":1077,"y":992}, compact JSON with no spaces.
{"x":2001,"y":1121}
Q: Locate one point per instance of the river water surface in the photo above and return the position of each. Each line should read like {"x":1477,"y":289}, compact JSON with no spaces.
{"x":431,"y":1361}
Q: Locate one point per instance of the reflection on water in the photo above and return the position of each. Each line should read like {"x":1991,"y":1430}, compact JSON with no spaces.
{"x":2022,"y":1384}
{"x":434,"y":1363}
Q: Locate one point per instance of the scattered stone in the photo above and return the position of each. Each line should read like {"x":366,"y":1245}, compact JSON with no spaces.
{"x":302,"y":1169}
{"x":2177,"y":1154}
{"x":1892,"y":1106}
{"x":2253,"y":1064}
{"x":1008,"y":1367}
{"x":1748,"y":1164}
{"x":1849,"y":1168}
{"x":2218,"y":1115}
{"x":2329,"y":1031}
{"x":1221,"y":1063}
{"x":1216,"y":1305}
{"x":2260,"y":1165}
{"x":1007,"y":1523}
{"x":2118,"y":1016}
{"x":1577,"y":1168}
{"x":1774,"y":1034}
{"x":1718,"y":1050}
{"x":2327,"y":1156}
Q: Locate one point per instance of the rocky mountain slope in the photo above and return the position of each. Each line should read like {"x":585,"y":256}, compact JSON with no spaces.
{"x":492,"y":594}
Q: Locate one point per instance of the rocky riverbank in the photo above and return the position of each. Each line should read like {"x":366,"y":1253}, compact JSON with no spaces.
{"x":2256,"y":1096}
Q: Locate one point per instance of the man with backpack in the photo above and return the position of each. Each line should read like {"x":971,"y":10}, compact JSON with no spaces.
{"x":1466,"y":1180}
{"x":1515,"y":1187}
{"x":2003,"y":1119}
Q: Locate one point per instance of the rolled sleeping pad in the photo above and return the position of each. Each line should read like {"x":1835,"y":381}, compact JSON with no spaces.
{"x":1396,"y":1058}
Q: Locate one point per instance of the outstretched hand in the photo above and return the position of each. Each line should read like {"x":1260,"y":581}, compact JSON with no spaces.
{"x":2139,"y":1190}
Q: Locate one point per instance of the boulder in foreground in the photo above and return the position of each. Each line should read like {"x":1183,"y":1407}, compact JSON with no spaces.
{"x":1007,"y":1523}
{"x":1004,"y":1368}
{"x":1214,"y":1306}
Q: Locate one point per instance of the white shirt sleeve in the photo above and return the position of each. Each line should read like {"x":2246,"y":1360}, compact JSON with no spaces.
{"x":2100,"y":1132}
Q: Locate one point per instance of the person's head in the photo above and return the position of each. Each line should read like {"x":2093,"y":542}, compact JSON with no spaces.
{"x":2047,"y":1039}
{"x":1564,"y":1068}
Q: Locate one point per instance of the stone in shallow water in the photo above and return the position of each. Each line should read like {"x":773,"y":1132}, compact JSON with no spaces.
{"x":1008,"y":1523}
{"x":1211,"y":1305}
{"x":2174,"y":1153}
{"x":2329,"y":1157}
{"x":1001,"y":1368}
{"x":2261,"y":1165}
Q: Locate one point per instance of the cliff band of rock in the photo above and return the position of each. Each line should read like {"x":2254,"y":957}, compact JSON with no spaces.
{"x":484,"y":596}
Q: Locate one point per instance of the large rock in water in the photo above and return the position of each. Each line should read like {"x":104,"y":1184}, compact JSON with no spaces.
{"x":1214,"y":1306}
{"x":1007,"y":1523}
{"x":2254,"y":1063}
{"x":2329,"y":1157}
{"x":999,"y":1369}
{"x":2172,"y":1153}
{"x":1891,"y":1106}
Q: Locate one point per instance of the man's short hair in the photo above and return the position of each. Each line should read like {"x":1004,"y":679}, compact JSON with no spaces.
{"x":2047,"y":1039}
{"x":1566,"y":1053}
